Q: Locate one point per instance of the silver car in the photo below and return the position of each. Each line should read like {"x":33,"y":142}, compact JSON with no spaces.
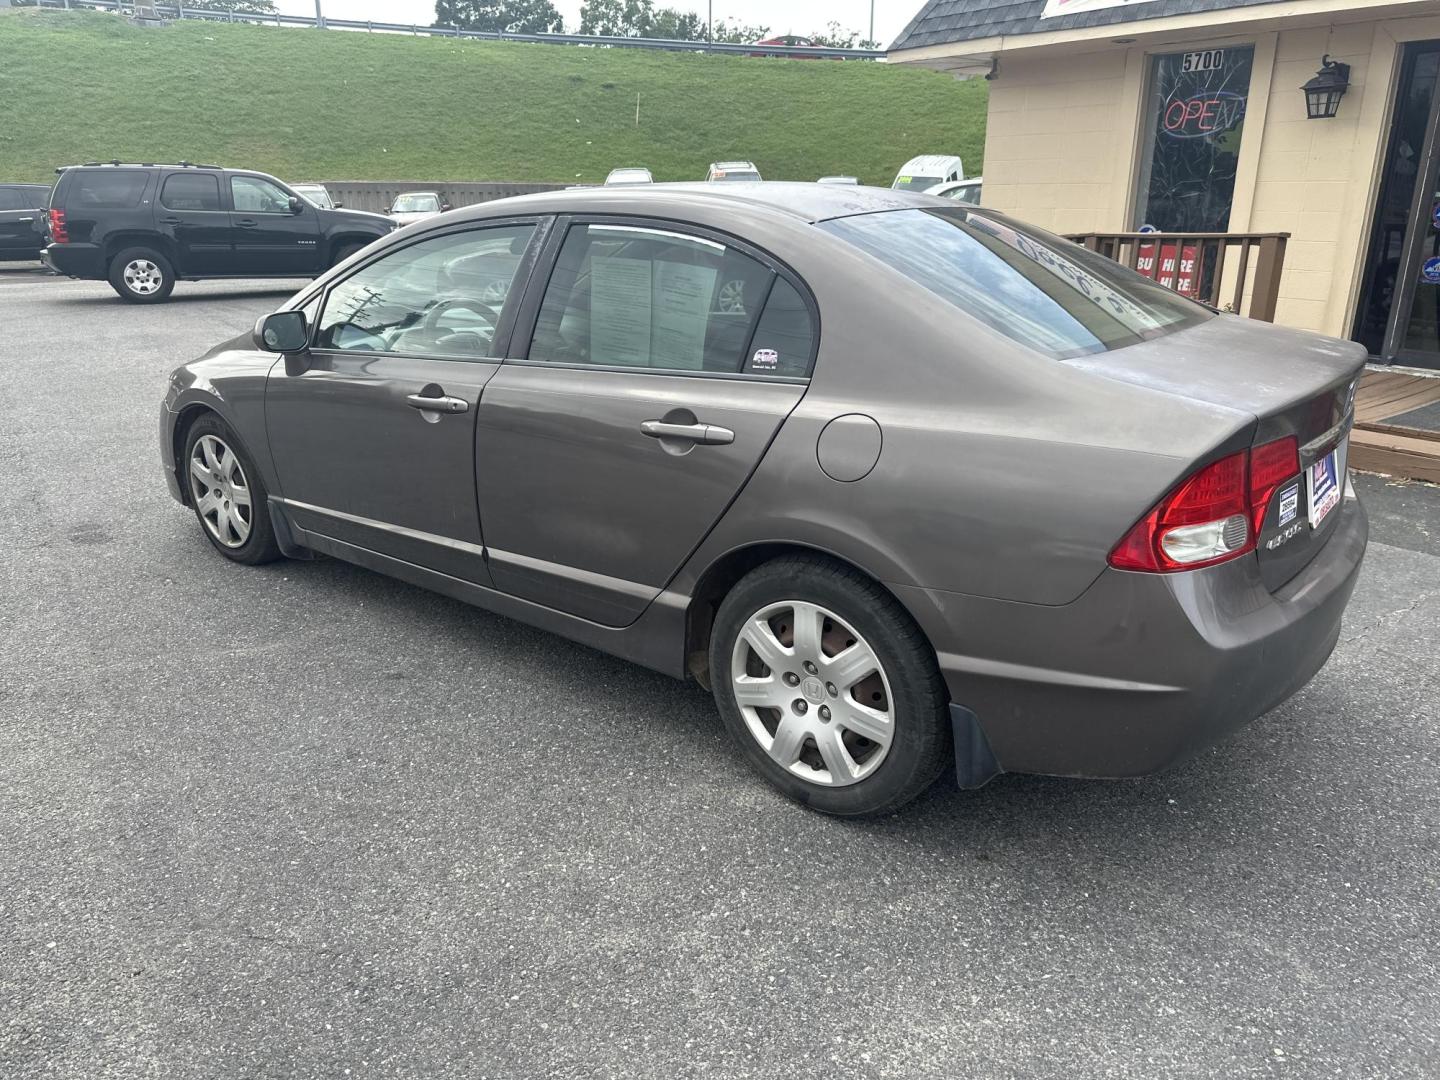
{"x":912,"y":487}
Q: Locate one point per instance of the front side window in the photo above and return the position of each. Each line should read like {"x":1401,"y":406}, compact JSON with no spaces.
{"x":255,"y":196}
{"x":416,"y":204}
{"x":639,"y":297}
{"x":108,"y":189}
{"x":190,"y":191}
{"x":1194,"y":122}
{"x":440,"y":298}
{"x":1035,"y":288}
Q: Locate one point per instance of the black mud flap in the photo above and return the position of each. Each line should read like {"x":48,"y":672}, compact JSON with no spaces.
{"x":975,"y":764}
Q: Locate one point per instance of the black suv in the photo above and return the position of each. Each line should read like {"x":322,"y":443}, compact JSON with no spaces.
{"x":143,"y":227}
{"x":22,"y":208}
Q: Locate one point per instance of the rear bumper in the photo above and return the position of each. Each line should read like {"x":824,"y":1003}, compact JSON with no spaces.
{"x":1142,"y":669}
{"x":75,"y":260}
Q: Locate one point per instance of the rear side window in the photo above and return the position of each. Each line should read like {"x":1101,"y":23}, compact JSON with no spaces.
{"x":784,"y":342}
{"x":191,"y":191}
{"x":107,"y":189}
{"x":1042,"y":291}
{"x":23,"y":198}
{"x":637,"y":297}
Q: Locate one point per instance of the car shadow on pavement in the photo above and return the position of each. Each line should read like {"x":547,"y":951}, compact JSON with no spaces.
{"x":175,"y":298}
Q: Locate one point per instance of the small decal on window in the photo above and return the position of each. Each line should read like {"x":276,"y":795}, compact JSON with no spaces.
{"x":765,"y":360}
{"x":1289,"y":504}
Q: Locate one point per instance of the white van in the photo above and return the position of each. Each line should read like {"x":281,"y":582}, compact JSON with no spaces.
{"x":927,"y":170}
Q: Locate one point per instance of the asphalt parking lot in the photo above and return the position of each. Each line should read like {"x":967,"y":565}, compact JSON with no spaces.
{"x":306,"y":821}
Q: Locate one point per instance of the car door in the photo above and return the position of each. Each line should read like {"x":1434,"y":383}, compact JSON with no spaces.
{"x":270,"y":237}
{"x":649,"y":389}
{"x":372,"y":430}
{"x":191,"y":215}
{"x":20,"y":215}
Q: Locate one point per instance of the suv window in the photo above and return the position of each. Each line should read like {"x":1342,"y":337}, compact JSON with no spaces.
{"x":441,"y":297}
{"x":191,"y":191}
{"x":1035,"y":288}
{"x":638,"y":297}
{"x":23,"y":197}
{"x":255,"y":196}
{"x":107,"y":189}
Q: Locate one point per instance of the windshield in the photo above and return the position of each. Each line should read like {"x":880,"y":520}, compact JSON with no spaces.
{"x":915,"y":183}
{"x":1031,"y":286}
{"x":416,"y":204}
{"x":317,"y":195}
{"x":735,"y":174}
{"x":629,"y":176}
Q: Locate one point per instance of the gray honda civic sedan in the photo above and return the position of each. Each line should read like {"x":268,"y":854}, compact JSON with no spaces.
{"x":912,"y":487}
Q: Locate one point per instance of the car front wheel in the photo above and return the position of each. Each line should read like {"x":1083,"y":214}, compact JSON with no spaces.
{"x":227,"y":494}
{"x":829,"y":687}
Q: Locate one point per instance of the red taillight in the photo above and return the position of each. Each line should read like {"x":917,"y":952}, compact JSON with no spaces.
{"x":1270,"y":466}
{"x":58,"y":232}
{"x":1215,"y":515}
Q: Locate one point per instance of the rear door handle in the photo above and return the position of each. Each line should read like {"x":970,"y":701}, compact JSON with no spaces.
{"x":170,"y":221}
{"x":708,"y":434}
{"x":437,"y":404}
{"x":247,"y":223}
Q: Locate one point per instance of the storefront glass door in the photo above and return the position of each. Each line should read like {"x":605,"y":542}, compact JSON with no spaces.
{"x":1399,"y":316}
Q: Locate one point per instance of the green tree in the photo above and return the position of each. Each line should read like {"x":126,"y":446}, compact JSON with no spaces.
{"x":499,"y":16}
{"x":836,"y":36}
{"x":618,"y":18}
{"x":677,"y":25}
{"x":739,"y":33}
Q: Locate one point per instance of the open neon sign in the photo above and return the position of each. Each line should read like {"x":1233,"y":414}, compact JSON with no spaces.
{"x":1208,"y":113}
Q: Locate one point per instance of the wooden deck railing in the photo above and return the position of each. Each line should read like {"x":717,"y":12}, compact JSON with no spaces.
{"x":1209,"y":267}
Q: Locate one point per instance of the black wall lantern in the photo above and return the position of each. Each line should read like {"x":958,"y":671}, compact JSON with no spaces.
{"x":1324,"y":91}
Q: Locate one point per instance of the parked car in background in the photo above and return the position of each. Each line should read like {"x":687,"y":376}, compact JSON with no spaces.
{"x":792,"y":41}
{"x":1037,"y":537}
{"x":924,"y":172}
{"x":846,"y":180}
{"x":416,"y":206}
{"x":22,"y":220}
{"x":144,"y":227}
{"x":733,"y":170}
{"x":318,"y":194}
{"x":961,"y":191}
{"x":621,"y":177}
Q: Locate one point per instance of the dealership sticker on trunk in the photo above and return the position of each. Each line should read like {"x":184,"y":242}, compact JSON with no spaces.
{"x":1289,"y":504}
{"x":1322,"y":482}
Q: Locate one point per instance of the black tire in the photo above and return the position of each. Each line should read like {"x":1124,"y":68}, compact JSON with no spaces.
{"x":921,"y":743}
{"x":260,"y":545}
{"x":343,"y":252}
{"x":130,"y":290}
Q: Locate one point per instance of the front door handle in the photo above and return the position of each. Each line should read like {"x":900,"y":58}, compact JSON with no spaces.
{"x":708,"y":434}
{"x":437,"y":404}
{"x":170,"y":221}
{"x":247,"y":223}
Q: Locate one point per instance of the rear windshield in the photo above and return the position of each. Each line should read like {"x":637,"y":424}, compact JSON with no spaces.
{"x":916,"y":183}
{"x":1032,"y":286}
{"x":109,"y":189}
{"x":735,"y":174}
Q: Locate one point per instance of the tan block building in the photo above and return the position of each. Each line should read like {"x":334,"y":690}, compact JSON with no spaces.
{"x":1188,"y":116}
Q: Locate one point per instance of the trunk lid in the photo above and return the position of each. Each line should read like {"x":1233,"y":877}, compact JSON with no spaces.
{"x":1292,"y":382}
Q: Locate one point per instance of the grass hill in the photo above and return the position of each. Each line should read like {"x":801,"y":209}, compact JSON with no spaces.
{"x":308,"y":104}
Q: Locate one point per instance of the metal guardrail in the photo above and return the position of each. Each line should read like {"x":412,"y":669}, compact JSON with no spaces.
{"x":179,"y":11}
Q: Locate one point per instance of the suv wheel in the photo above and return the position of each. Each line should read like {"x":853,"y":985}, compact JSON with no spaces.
{"x":141,"y":276}
{"x":829,"y":687}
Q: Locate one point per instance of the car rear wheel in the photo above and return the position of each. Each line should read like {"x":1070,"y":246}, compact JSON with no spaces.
{"x":141,"y":276}
{"x":227,"y":493}
{"x":829,"y":688}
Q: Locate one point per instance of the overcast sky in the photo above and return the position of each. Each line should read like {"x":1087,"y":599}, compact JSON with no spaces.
{"x":782,"y":16}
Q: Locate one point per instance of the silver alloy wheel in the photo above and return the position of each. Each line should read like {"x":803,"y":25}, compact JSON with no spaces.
{"x":142,"y":277}
{"x":813,"y":693}
{"x":220,"y":492}
{"x":732,"y":297}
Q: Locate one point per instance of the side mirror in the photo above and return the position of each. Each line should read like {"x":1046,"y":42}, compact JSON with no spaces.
{"x":337,"y":205}
{"x":281,"y":332}
{"x":296,"y":204}
{"x":444,"y":206}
